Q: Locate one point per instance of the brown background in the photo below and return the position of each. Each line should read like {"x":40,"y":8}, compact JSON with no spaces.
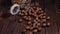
{"x":9,"y":27}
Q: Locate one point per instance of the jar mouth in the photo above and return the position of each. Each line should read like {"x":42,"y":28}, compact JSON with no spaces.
{"x":14,"y":9}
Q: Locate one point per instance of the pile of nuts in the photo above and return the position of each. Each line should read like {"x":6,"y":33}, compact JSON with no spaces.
{"x":34,"y":19}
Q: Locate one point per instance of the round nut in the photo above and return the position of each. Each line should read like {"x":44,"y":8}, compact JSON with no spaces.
{"x":48,"y":24}
{"x":38,"y":24}
{"x":44,"y":17}
{"x":29,"y":22}
{"x":31,"y":33}
{"x":35,"y":30}
{"x":44,"y":24}
{"x":24,"y":30}
{"x":48,"y":17}
{"x":27,"y":27}
{"x":20,"y":20}
{"x":39,"y":28}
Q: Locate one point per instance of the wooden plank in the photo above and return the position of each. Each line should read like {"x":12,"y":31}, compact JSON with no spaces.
{"x":51,"y":11}
{"x":4,"y":28}
{"x":58,"y":22}
{"x":42,"y":31}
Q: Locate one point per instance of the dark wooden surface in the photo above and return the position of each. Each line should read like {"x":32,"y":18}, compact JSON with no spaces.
{"x":10,"y":27}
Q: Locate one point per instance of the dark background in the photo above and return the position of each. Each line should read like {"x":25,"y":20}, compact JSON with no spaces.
{"x":51,"y":8}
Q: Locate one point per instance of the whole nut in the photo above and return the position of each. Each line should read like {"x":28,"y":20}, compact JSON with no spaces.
{"x":35,"y":30}
{"x":39,"y":28}
{"x":29,"y":22}
{"x":48,"y":17}
{"x":20,"y":20}
{"x":48,"y":24}
{"x":27,"y":27}
{"x":44,"y":24}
